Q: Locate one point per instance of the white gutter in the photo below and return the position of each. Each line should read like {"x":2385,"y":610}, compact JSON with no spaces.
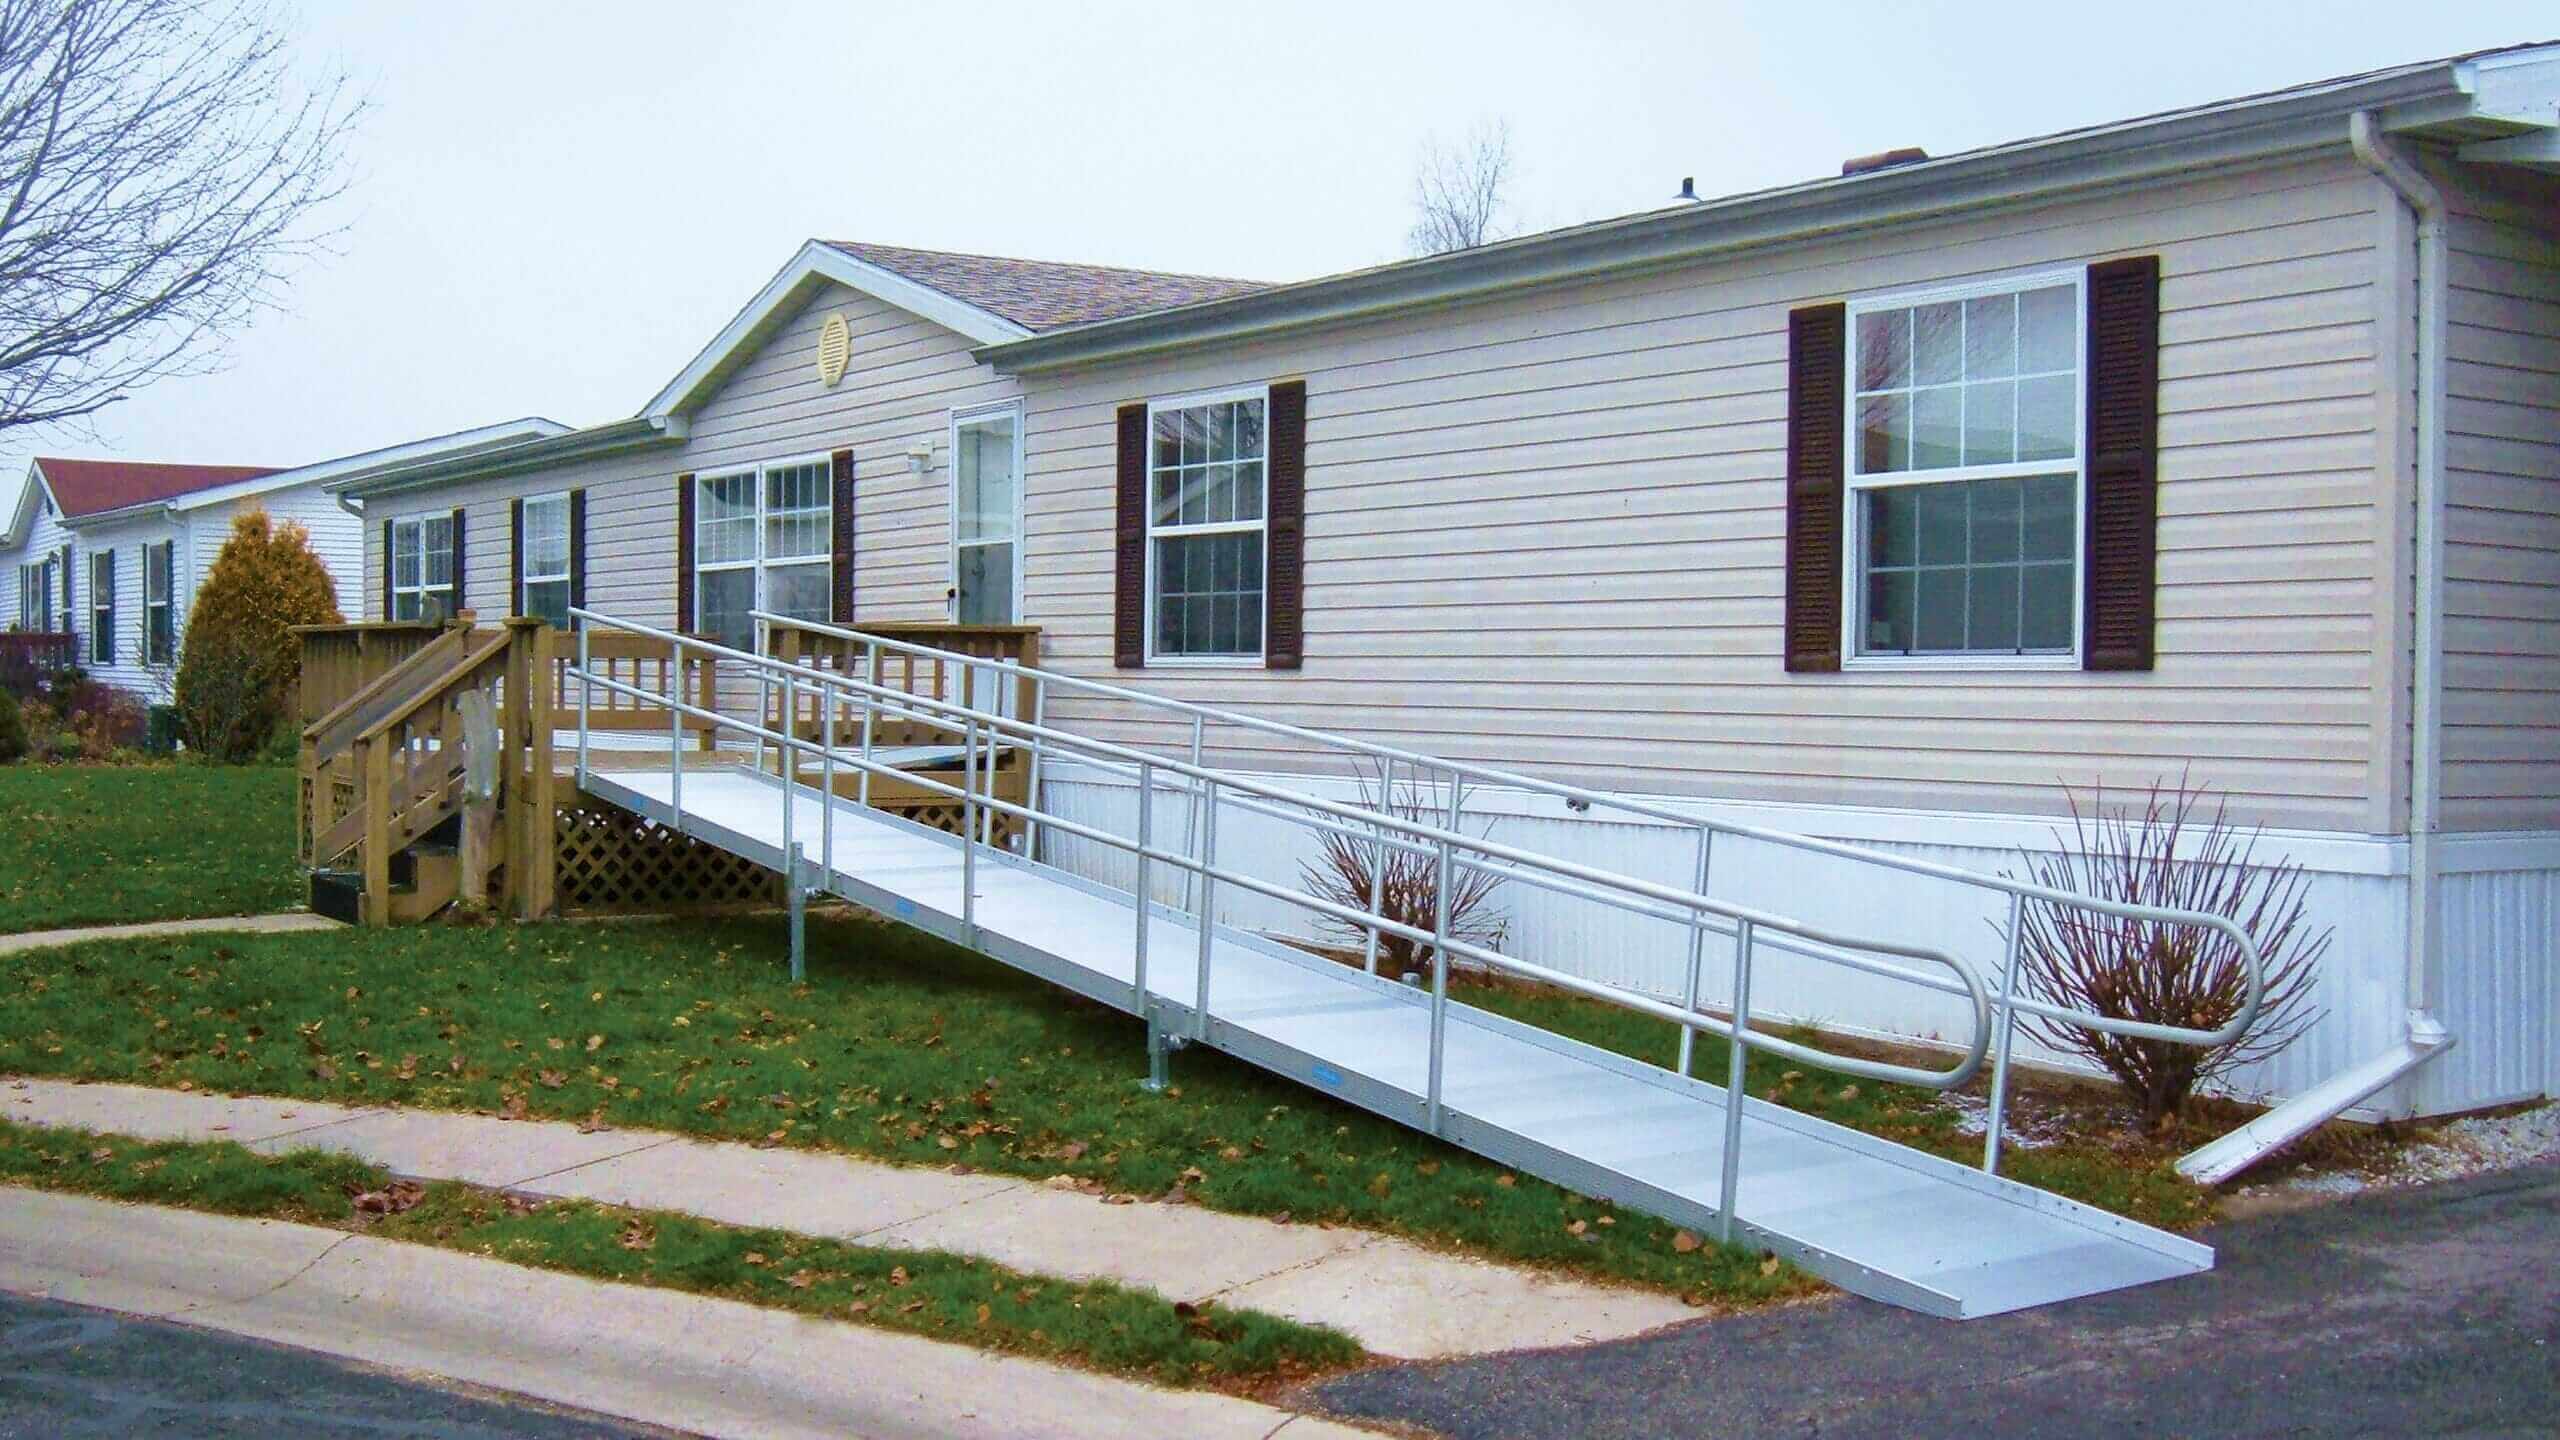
{"x":2426,"y":1036}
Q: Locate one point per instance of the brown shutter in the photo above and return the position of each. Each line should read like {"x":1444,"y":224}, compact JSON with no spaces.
{"x":2119,"y":572}
{"x":577,"y":550}
{"x":1817,"y":348}
{"x":1284,"y":633}
{"x":840,"y":512}
{"x":1129,"y":544}
{"x":684,"y":552}
{"x":515,"y":556}
{"x":459,"y":573}
{"x":387,"y":575}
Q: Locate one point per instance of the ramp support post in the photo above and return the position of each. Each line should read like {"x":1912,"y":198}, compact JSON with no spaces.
{"x":1160,"y":1043}
{"x":1734,"y":1077}
{"x":798,"y":894}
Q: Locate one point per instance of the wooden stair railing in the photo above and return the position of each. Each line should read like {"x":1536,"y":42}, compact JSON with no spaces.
{"x":391,"y":764}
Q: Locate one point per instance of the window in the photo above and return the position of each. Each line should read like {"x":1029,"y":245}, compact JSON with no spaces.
{"x":35,"y":597}
{"x":422,"y":585}
{"x":102,"y":608}
{"x":159,"y":624}
{"x":1965,"y":472}
{"x":986,"y":518}
{"x":1205,"y":528}
{"x":545,"y":581}
{"x":763,"y":540}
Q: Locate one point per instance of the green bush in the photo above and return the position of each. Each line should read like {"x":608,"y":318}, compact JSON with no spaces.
{"x":241,"y":657}
{"x":13,"y":729}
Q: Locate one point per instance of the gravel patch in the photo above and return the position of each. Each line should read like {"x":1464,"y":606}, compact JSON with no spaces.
{"x":2450,"y":1151}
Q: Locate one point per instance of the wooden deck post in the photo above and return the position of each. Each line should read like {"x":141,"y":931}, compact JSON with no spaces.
{"x":373,"y":783}
{"x":536,"y":859}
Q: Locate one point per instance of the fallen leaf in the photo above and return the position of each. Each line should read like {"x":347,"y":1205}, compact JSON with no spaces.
{"x":801,"y":1279}
{"x":946,"y":1142}
{"x":753,"y":1257}
{"x":1769,"y":1266}
{"x":897,"y":1274}
{"x":985,"y":1313}
{"x":595,"y":1042}
{"x":1506,"y":1181}
{"x":1428,"y":1167}
{"x":1192,"y":1175}
{"x":1684,"y":1242}
{"x":1848,"y":1092}
{"x":1072,"y":1150}
{"x":1576,"y":1228}
{"x":553,"y":1079}
{"x":102,"y":1154}
{"x":636,"y":1236}
{"x":858,"y":1307}
{"x":513,"y":1109}
{"x":911,"y":1307}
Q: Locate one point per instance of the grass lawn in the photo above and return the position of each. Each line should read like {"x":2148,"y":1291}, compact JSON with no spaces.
{"x":1093,"y":1323}
{"x":899,"y":1046}
{"x":104,"y":844}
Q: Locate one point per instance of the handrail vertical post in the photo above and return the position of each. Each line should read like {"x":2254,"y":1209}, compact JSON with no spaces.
{"x":675,"y":734}
{"x":1439,"y":995}
{"x":1734,"y":1079}
{"x":797,"y":896}
{"x":1205,"y":795}
{"x":1697,"y":950}
{"x":2008,"y":1027}
{"x":827,"y":780}
{"x":764,"y":685}
{"x":870,"y":710}
{"x":968,"y":832}
{"x":1191,"y":816}
{"x":586,"y":698}
{"x":1378,"y":864}
{"x":1039,"y":685}
{"x":787,"y":762}
{"x":1146,"y":839}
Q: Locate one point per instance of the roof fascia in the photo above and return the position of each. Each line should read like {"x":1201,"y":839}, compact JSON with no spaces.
{"x":816,"y":264}
{"x":638,"y":433}
{"x":2259,"y":130}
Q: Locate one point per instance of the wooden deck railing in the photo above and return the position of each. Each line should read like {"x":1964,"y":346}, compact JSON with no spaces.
{"x":339,"y":660}
{"x":643,"y":662}
{"x":403,"y":753}
{"x":930,"y":678}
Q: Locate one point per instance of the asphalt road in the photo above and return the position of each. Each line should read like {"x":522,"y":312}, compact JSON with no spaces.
{"x":68,"y":1372}
{"x":2425,"y":1312}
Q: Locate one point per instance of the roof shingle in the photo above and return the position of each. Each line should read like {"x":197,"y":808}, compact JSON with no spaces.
{"x":1045,"y":294}
{"x":93,"y":487}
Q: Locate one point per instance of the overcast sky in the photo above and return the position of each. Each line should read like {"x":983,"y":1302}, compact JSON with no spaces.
{"x":557,"y":204}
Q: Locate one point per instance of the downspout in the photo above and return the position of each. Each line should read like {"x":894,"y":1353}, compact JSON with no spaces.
{"x":2425,"y":1036}
{"x":2384,"y":158}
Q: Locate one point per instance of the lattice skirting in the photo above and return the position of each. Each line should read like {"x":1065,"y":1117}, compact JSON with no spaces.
{"x":610,"y":860}
{"x":944,"y":815}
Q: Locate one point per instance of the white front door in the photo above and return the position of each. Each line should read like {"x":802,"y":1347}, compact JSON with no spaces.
{"x":986,"y":517}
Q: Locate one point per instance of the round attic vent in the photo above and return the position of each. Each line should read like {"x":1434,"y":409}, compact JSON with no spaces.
{"x":835,"y":348}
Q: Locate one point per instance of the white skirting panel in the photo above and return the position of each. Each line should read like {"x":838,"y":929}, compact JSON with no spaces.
{"x":2501,"y":899}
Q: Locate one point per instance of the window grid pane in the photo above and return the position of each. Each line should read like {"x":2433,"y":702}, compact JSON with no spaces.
{"x":1981,"y":567}
{"x":1209,"y":469}
{"x":1985,"y":381}
{"x":546,"y":540}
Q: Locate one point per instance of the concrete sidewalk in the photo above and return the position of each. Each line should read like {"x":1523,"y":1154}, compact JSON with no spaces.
{"x":684,"y":1362}
{"x":283,"y":923}
{"x":1396,"y":1297}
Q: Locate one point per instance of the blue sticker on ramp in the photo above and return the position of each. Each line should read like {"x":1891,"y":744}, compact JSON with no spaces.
{"x":1327,"y":1075}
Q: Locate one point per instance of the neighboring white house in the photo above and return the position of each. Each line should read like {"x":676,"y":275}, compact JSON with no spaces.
{"x":112,"y":551}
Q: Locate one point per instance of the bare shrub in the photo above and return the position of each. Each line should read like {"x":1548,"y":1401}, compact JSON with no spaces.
{"x":2169,"y":854}
{"x":1407,"y":885}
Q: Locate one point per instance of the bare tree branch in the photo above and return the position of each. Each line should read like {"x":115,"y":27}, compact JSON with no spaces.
{"x":160,"y":168}
{"x":1459,"y":193}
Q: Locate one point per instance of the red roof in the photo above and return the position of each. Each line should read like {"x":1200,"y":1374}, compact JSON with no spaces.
{"x":91,"y":487}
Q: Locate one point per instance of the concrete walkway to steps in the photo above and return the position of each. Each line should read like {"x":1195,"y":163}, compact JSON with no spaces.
{"x":688,"y":1363}
{"x":1398,"y":1298}
{"x":283,"y":923}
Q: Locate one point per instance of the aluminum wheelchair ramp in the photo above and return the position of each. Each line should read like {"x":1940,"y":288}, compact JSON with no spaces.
{"x":1875,"y":1218}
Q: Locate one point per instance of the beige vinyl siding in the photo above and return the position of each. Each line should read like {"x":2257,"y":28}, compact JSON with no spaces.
{"x":906,"y":376}
{"x":1545,"y":530}
{"x":2502,"y":525}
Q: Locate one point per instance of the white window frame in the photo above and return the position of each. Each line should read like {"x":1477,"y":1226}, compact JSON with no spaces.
{"x":35,"y":596}
{"x":526,"y":579}
{"x":416,"y":525}
{"x":167,"y":603}
{"x":961,"y":420}
{"x":102,"y":618}
{"x":1853,"y":489}
{"x":1259,"y":657}
{"x":762,"y":564}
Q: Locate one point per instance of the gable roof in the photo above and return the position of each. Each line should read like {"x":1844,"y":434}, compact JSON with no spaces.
{"x":1046,"y":294}
{"x":983,"y":298}
{"x":91,"y":487}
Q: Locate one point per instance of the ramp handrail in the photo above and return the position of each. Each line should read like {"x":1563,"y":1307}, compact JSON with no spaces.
{"x":980,"y":730}
{"x":2007,"y":1002}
